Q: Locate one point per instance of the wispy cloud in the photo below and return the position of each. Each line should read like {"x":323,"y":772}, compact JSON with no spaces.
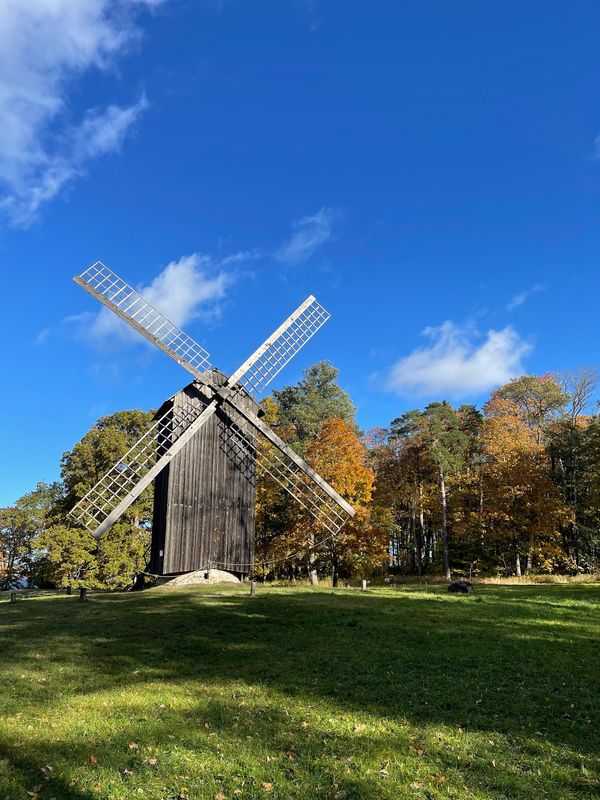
{"x":186,"y":289}
{"x":193,"y":287}
{"x":308,"y":234}
{"x":459,"y":362}
{"x":46,"y":47}
{"x":519,"y":298}
{"x":310,"y":8}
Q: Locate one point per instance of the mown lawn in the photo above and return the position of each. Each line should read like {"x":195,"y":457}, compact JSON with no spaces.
{"x":210,"y":693}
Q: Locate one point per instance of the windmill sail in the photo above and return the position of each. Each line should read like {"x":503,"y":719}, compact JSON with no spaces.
{"x":286,"y":467}
{"x":141,"y":315}
{"x":283,"y":344}
{"x":126,"y":480}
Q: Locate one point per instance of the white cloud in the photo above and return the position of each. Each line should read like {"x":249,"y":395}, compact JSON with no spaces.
{"x":518,"y":299}
{"x":459,"y":362}
{"x":45,"y":46}
{"x":309,"y":233}
{"x":185,"y":289}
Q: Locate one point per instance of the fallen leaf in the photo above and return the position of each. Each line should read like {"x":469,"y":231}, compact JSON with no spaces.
{"x":133,"y":746}
{"x":220,"y":796}
{"x":306,"y":725}
{"x":416,"y":785}
{"x":268,"y":787}
{"x":93,"y":760}
{"x":153,"y":761}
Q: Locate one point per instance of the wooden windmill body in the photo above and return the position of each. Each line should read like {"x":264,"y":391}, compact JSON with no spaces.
{"x":204,"y":498}
{"x":201,"y":449}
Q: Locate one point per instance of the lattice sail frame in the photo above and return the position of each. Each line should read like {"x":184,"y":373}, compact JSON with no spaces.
{"x":126,"y":480}
{"x":293,"y":474}
{"x":264,"y":364}
{"x":129,"y":305}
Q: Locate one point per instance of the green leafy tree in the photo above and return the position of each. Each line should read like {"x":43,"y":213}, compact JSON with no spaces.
{"x":414,"y":475}
{"x":69,"y":557}
{"x":19,"y":527}
{"x":446,"y":444}
{"x":436,"y":436}
{"x":72,"y":556}
{"x":302,"y":409}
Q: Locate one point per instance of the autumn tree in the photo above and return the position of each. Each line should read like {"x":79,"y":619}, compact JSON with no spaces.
{"x":540,"y":399}
{"x":276,"y":512}
{"x":414,"y":474}
{"x":298,"y":414}
{"x":523,"y":506}
{"x":340,"y":458}
{"x":302,"y":409}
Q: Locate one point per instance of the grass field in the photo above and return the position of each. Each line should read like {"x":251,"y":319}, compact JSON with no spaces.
{"x":392,"y":693}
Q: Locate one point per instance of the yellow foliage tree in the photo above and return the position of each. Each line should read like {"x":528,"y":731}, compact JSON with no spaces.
{"x":523,"y":507}
{"x":338,"y":456}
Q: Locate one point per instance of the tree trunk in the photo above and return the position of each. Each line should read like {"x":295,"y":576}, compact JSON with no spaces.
{"x":518,"y":565}
{"x":420,"y":536}
{"x":481,"y":520}
{"x":312,"y":570}
{"x":445,"y":550}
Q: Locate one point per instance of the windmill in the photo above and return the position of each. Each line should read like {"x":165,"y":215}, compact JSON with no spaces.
{"x":203,"y":446}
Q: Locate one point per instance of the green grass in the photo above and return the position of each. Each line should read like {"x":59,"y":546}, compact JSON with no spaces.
{"x":389,"y":694}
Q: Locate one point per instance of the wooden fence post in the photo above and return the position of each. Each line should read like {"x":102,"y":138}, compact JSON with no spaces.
{"x":253,"y":588}
{"x":363,"y":585}
{"x":13,"y":597}
{"x":82,"y":595}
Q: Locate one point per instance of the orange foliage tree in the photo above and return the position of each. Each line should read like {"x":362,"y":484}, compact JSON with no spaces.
{"x":523,"y":507}
{"x":338,"y":455}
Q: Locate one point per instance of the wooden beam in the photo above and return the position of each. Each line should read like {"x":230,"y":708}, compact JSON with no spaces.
{"x":136,"y":326}
{"x":291,"y":454}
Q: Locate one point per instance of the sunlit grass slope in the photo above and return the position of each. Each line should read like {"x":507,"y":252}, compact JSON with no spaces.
{"x":210,"y":693}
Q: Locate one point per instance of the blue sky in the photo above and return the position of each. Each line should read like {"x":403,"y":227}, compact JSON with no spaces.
{"x":429,"y":170}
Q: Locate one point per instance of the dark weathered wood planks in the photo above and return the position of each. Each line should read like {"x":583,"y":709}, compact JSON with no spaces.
{"x":204,"y":499}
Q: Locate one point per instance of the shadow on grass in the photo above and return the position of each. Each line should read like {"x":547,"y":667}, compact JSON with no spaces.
{"x":514,"y":663}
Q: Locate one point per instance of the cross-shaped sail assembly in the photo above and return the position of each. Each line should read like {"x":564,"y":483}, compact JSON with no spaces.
{"x":123,"y":483}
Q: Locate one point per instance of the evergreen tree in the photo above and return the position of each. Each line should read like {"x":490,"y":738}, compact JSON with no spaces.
{"x":302,"y":409}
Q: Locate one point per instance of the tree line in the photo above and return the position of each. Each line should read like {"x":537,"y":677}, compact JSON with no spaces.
{"x":508,"y":489}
